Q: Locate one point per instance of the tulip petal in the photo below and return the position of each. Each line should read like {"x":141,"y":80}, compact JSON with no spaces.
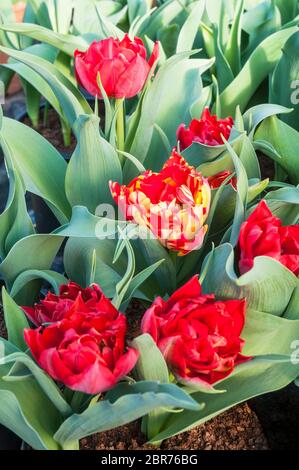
{"x":132,"y":79}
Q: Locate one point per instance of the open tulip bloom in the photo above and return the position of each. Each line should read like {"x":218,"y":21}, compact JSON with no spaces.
{"x":122,"y":66}
{"x":263,"y":235}
{"x":83,"y":347}
{"x":174,"y":204}
{"x":198,"y":336}
{"x":208,"y":130}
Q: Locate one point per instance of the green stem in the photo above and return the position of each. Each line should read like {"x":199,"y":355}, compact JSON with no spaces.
{"x":154,"y":423}
{"x":66,"y":133}
{"x":120,"y":125}
{"x":72,"y":445}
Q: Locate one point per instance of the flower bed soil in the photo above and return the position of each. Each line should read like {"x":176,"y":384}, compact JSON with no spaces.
{"x":51,"y":130}
{"x":267,"y":167}
{"x":237,"y":429}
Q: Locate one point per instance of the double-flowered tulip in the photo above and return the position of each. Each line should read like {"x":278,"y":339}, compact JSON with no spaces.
{"x":198,"y":336}
{"x":82,"y":344}
{"x":173,"y":204}
{"x":122,"y":66}
{"x":208,"y":130}
{"x":263,"y":235}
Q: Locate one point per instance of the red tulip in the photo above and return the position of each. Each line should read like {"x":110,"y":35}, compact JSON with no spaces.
{"x":208,"y":130}
{"x":263,"y":235}
{"x":217,"y":180}
{"x":54,"y":307}
{"x":173,"y":204}
{"x":122,"y":66}
{"x":198,"y":335}
{"x":85,"y":349}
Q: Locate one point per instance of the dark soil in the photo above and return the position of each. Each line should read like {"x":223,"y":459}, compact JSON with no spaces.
{"x":237,"y":429}
{"x":278,"y":413}
{"x":3,"y":332}
{"x":51,"y":130}
{"x":267,"y":167}
{"x":134,"y":314}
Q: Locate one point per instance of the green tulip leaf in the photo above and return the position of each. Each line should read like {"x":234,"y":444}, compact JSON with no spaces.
{"x":125,"y":403}
{"x":266,"y":276}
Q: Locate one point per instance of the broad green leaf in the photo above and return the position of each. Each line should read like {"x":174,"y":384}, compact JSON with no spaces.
{"x":60,"y":14}
{"x":52,"y":277}
{"x":15,"y":321}
{"x":285,"y":141}
{"x":224,"y":72}
{"x":151,"y":364}
{"x":259,"y":65}
{"x":32,"y":427}
{"x":284,"y":203}
{"x":254,"y":116}
{"x":22,"y":256}
{"x":48,"y":386}
{"x":72,"y":101}
{"x":261,"y":375}
{"x":25,"y":409}
{"x":153,"y":251}
{"x":40,"y":12}
{"x":199,"y":153}
{"x":109,"y":29}
{"x":93,"y":164}
{"x":136,"y":400}
{"x":241,"y":196}
{"x":268,"y":334}
{"x":287,"y":8}
{"x":42,"y":176}
{"x":162,"y":16}
{"x":233,"y":47}
{"x":249,"y":159}
{"x":228,"y":200}
{"x":15,"y":222}
{"x":168,"y":37}
{"x":140,"y":278}
{"x":203,"y":102}
{"x":190,"y":28}
{"x":284,"y":88}
{"x":35,"y":79}
{"x":63,"y":42}
{"x":259,"y":22}
{"x":292,"y":311}
{"x":137,"y":9}
{"x":33,"y":102}
{"x":78,"y":263}
{"x":266,"y":276}
{"x":123,"y":285}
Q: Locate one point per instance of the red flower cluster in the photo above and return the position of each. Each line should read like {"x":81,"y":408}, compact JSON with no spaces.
{"x":84,"y":347}
{"x":263,"y":235}
{"x":173,"y":204}
{"x":198,"y":335}
{"x":122,"y":66}
{"x":208,"y":130}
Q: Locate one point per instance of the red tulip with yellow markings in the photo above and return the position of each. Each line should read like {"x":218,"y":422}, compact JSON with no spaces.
{"x":174,"y":204}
